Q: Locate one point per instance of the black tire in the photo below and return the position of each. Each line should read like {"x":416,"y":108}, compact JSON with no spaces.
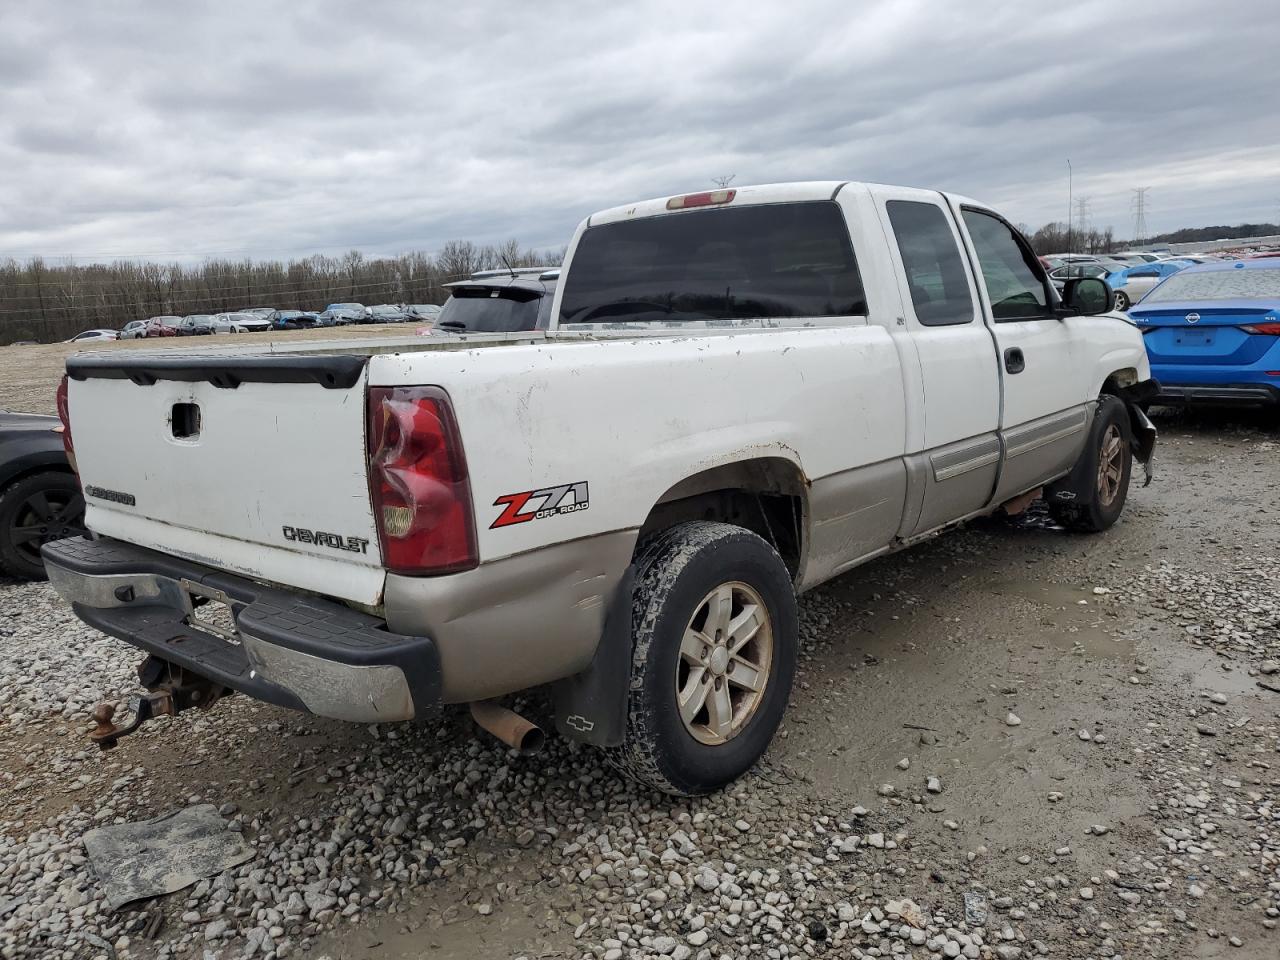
{"x":675,"y":574}
{"x":37,"y":509}
{"x":1122,"y":301}
{"x":1085,"y":501}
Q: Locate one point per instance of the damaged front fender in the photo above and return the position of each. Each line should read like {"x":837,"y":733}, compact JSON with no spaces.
{"x":1142,"y":433}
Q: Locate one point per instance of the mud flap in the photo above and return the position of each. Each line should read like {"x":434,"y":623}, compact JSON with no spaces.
{"x":591,"y":706}
{"x":1078,"y":485}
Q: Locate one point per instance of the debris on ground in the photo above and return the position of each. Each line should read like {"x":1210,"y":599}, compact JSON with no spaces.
{"x":134,"y":861}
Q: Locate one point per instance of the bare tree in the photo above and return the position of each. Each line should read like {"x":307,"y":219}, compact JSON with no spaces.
{"x":43,"y":302}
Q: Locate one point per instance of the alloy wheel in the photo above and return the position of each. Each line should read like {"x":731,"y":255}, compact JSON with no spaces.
{"x":46,"y":516}
{"x":726,"y":655}
{"x":1110,"y":465}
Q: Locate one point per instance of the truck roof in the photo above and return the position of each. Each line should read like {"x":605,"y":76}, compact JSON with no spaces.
{"x":796,"y":192}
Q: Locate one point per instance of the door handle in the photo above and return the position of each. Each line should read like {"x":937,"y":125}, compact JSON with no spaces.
{"x":1014,"y":361}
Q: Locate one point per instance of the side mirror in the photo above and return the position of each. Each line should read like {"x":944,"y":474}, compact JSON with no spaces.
{"x":1086,"y":296}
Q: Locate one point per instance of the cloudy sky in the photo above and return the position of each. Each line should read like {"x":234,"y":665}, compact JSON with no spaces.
{"x":277,"y":129}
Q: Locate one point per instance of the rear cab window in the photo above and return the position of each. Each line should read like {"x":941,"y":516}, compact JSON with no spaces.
{"x":936,"y":274}
{"x":752,"y":263}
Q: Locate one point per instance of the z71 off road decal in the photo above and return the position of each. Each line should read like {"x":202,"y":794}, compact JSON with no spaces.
{"x":540,"y":504}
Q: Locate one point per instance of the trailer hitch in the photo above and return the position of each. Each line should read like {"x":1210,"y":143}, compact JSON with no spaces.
{"x":170,"y":691}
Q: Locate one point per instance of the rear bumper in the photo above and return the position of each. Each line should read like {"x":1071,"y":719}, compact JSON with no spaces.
{"x":1218,"y":394}
{"x":293,"y":650}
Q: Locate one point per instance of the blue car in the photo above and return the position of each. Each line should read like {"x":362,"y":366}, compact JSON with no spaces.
{"x":1213,"y":334}
{"x":1134,"y":283}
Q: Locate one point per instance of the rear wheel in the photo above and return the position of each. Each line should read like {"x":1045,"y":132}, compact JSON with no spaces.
{"x":1092,"y":497}
{"x":714,"y":652}
{"x":36,"y":510}
{"x":1122,"y":300}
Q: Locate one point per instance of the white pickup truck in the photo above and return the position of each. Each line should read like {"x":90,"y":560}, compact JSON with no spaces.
{"x":742,"y":393}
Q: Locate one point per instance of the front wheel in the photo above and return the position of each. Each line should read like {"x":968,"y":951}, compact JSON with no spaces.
{"x":1092,"y":497}
{"x":1122,"y":300}
{"x":714,"y":652}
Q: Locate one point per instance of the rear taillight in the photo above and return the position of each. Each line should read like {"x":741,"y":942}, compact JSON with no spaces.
{"x":1265,"y":329}
{"x":418,"y":482}
{"x":64,"y":414}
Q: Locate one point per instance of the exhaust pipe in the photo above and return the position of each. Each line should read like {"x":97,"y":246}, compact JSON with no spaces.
{"x":508,"y":726}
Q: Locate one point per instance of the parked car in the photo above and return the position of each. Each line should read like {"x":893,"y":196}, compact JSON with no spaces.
{"x":89,"y":335}
{"x":1213,"y":333}
{"x":423,"y":311}
{"x":151,"y":327}
{"x":387,"y":313}
{"x":498,"y":304}
{"x":744,"y":393}
{"x":354,"y":312}
{"x":1135,"y":256}
{"x":241,"y":323}
{"x":340,"y":314}
{"x":264,"y":312}
{"x":1131,"y":285}
{"x":334,"y":318}
{"x":40,"y":497}
{"x":1077,"y":269}
{"x":293,"y":320}
{"x":197,"y":325}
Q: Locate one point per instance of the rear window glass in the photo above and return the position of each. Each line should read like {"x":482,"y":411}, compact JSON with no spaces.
{"x":1233,"y":284}
{"x":935,"y":273}
{"x":775,"y":260}
{"x":486,"y":310}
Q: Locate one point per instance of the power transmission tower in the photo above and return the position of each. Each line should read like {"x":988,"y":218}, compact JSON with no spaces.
{"x":1082,"y":223}
{"x":1082,"y":212}
{"x":1139,"y":206}
{"x":723,"y":180}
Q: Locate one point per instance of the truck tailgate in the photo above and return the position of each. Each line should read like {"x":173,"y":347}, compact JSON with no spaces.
{"x":254,"y":467}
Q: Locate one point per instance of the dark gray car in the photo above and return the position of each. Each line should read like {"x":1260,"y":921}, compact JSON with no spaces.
{"x":499,"y":304}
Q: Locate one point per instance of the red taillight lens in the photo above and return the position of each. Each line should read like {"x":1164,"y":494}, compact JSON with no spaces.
{"x":64,"y":414}
{"x":1265,"y":329}
{"x":418,"y":481}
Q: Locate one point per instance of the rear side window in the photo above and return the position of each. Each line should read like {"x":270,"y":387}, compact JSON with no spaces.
{"x":774,"y":260}
{"x":1013,"y":283}
{"x":935,"y":272}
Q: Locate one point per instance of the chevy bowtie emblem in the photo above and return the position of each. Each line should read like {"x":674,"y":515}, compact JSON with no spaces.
{"x":1192,"y":317}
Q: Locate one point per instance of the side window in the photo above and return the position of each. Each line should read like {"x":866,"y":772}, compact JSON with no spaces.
{"x":1013,"y":283}
{"x":935,"y":270}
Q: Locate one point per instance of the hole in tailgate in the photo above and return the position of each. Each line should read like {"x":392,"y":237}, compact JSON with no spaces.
{"x":185,"y":421}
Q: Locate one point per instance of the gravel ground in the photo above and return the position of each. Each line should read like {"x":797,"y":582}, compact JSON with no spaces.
{"x":1008,"y":742}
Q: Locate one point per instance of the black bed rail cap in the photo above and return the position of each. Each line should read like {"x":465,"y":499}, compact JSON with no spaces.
{"x":331,"y":371}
